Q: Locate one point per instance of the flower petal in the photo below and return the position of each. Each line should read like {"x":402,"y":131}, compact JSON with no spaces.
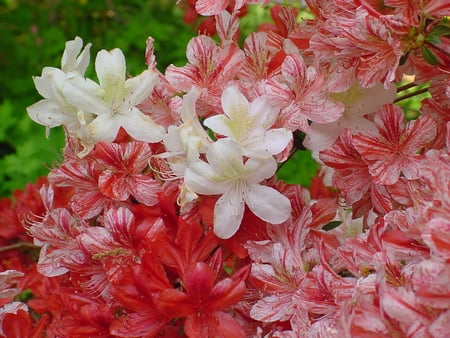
{"x":140,"y":86}
{"x":110,"y":68}
{"x":83,"y":94}
{"x":72,"y":59}
{"x":234,"y":103}
{"x":268,"y":204}
{"x":47,"y":113}
{"x":260,"y":169}
{"x":200,"y":178}
{"x":104,"y":128}
{"x":228,"y":213}
{"x":140,"y":126}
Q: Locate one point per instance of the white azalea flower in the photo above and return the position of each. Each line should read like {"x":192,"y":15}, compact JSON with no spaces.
{"x":73,"y":60}
{"x":225,"y":173}
{"x":54,"y":110}
{"x":185,"y":142}
{"x":249,"y":124}
{"x":358,"y":102}
{"x":114,"y":99}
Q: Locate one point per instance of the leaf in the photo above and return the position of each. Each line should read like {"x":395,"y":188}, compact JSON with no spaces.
{"x":429,"y":56}
{"x":439,"y":30}
{"x":299,"y":169}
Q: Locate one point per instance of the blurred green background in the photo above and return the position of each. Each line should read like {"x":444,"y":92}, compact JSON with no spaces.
{"x":33,"y":34}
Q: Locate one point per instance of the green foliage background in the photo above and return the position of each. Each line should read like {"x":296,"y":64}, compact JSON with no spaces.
{"x":33,"y":34}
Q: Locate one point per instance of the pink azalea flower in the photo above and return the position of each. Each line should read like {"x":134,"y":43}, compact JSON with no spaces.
{"x":163,"y":106}
{"x":396,"y":148}
{"x":56,"y":234}
{"x":209,"y":68}
{"x":122,"y":172}
{"x":262,"y":62}
{"x":301,"y":94}
{"x":82,"y":176}
{"x":358,"y":103}
{"x":8,"y":279}
{"x":430,"y":283}
{"x":436,"y":234}
{"x":353,"y":179}
{"x":362,"y":42}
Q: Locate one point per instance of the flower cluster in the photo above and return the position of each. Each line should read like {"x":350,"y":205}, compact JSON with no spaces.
{"x":165,"y":217}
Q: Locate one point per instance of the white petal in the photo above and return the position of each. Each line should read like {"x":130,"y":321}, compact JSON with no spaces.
{"x":200,"y":178}
{"x":322,"y":136}
{"x":110,"y":68}
{"x":72,"y":59}
{"x":228,"y":213}
{"x":188,"y":106}
{"x":260,"y":169}
{"x":83,"y":94}
{"x":273,"y":142}
{"x":83,"y":60}
{"x":69,"y":58}
{"x":225,"y":157}
{"x":264,"y":111}
{"x":220,"y":124}
{"x":141,"y":86}
{"x":140,"y":126}
{"x":104,"y":128}
{"x":234,"y":103}
{"x":268,"y":204}
{"x":50,"y":82}
{"x":47,"y":113}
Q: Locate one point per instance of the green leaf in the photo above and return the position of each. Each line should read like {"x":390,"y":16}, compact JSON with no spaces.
{"x":440,"y":30}
{"x":429,"y":56}
{"x":299,"y":169}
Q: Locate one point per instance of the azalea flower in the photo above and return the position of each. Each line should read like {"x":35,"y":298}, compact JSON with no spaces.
{"x":358,"y":102}
{"x":113,"y":101}
{"x":7,"y":280}
{"x":209,"y":68}
{"x":395,"y":148}
{"x":249,"y":124}
{"x":122,"y":172}
{"x":226,"y":174}
{"x":204,"y":301}
{"x":301,"y":92}
{"x":54,"y":110}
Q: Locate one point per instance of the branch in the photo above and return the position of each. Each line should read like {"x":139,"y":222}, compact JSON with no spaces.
{"x":412,"y":94}
{"x":18,"y":245}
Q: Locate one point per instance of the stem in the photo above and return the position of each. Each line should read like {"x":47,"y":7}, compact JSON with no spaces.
{"x":18,"y":245}
{"x":408,"y":95}
{"x":406,"y":86}
{"x":298,"y":145}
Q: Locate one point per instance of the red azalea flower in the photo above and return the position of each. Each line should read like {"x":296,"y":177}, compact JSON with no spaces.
{"x":203,"y":302}
{"x":20,"y":325}
{"x":137,"y":315}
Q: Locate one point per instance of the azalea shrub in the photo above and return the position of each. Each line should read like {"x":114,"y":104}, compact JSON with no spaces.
{"x":166,"y":218}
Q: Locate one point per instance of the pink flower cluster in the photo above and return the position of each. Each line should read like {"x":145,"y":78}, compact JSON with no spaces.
{"x":165,"y":217}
